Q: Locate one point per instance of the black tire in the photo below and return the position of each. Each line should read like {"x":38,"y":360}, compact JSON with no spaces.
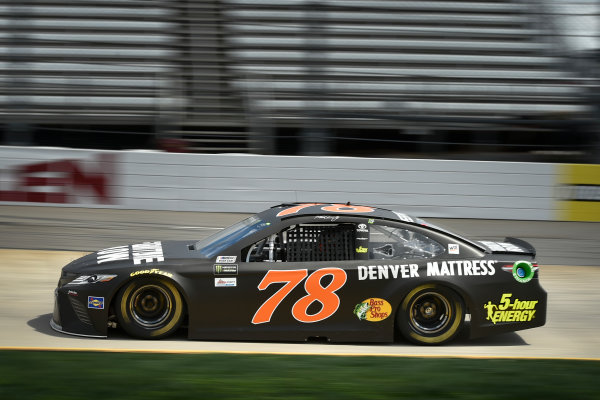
{"x":149,"y":308}
{"x":430,"y":315}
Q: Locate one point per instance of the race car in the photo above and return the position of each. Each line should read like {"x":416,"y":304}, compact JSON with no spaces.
{"x":302,"y":271}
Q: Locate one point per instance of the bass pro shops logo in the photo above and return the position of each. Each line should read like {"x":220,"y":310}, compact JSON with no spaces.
{"x":505,"y":311}
{"x":373,"y":310}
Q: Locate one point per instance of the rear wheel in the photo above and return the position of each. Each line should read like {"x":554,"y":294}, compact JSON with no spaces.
{"x":430,"y":314}
{"x":149,"y":308}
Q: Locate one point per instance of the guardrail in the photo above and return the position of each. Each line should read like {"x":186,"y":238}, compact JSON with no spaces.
{"x":247,"y":183}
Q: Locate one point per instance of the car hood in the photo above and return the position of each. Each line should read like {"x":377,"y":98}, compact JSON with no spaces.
{"x":132,"y":255}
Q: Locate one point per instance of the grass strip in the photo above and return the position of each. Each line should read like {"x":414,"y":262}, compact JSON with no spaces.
{"x":92,"y":375}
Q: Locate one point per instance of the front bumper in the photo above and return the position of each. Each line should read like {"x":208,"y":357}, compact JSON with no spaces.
{"x":73,"y":316}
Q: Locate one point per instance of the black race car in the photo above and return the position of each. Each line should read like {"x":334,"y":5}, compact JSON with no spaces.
{"x":340,"y":272}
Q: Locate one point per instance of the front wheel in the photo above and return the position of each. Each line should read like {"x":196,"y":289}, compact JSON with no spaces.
{"x":149,"y":308}
{"x":430,"y":315}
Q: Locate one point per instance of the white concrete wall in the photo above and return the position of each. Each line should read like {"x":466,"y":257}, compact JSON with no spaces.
{"x":246,"y":183}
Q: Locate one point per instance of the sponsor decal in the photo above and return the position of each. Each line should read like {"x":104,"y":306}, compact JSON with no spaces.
{"x":225,"y":269}
{"x":61,"y":181}
{"x":501,"y":246}
{"x":72,"y":293}
{"x":523,"y":271}
{"x":96,"y":302}
{"x":226,"y":259}
{"x":581,"y":192}
{"x":83,"y":279}
{"x":461,"y":268}
{"x":154,"y":271}
{"x":362,"y":228}
{"x":315,"y":293}
{"x":371,"y":221}
{"x":507,"y":311}
{"x":225,"y":282}
{"x":453,"y":248}
{"x":578,"y":192}
{"x":373,"y":310}
{"x":361,"y":249}
{"x":434,"y":268}
{"x":344,"y":208}
{"x":148,"y":252}
{"x":373,"y":272}
{"x":118,"y":253}
{"x":328,"y":217}
{"x":142,"y":252}
{"x":403,"y":217}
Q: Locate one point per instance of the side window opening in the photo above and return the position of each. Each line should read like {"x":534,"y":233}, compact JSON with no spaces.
{"x":306,"y":242}
{"x":386,"y":242}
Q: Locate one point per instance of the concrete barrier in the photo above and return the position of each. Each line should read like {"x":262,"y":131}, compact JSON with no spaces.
{"x":248,"y":183}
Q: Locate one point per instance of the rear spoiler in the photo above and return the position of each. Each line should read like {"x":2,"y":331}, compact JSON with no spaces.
{"x":522,"y":244}
{"x":510,"y":245}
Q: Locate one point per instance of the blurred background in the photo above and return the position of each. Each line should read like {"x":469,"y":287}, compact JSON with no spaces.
{"x":473,"y":79}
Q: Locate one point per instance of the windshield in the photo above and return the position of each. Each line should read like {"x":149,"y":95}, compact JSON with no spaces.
{"x":214,"y":244}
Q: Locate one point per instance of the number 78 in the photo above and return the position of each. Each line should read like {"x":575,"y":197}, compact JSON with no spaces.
{"x":325,"y":295}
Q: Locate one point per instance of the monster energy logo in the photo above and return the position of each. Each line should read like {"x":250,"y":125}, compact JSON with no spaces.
{"x":225,"y":269}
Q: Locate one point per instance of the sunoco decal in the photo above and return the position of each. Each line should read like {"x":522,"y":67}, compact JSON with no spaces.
{"x":507,"y":311}
{"x":96,"y":302}
{"x":373,"y":310}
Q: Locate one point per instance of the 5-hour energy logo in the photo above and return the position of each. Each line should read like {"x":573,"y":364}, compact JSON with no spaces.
{"x":507,"y":311}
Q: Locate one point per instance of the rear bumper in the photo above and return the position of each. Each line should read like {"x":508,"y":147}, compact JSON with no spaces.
{"x":522,"y":306}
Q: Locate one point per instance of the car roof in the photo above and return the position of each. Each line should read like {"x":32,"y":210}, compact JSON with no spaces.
{"x":287,"y":210}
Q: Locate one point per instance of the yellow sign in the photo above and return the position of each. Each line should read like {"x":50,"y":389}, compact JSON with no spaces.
{"x":579,"y":192}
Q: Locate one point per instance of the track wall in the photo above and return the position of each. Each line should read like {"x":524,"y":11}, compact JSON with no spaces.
{"x":246,"y":183}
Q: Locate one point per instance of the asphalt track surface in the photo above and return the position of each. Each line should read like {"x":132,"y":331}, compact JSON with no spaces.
{"x":34,"y":240}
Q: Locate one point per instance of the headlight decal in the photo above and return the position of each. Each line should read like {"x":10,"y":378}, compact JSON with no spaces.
{"x":85,"y":279}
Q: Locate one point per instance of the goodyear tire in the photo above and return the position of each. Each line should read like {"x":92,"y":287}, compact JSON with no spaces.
{"x":149,"y":308}
{"x":430,"y":315}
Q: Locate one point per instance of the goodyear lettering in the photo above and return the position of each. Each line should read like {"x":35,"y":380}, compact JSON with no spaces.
{"x":155,"y":271}
{"x":505,"y":311}
{"x":461,"y":268}
{"x":361,"y":249}
{"x":373,"y":272}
